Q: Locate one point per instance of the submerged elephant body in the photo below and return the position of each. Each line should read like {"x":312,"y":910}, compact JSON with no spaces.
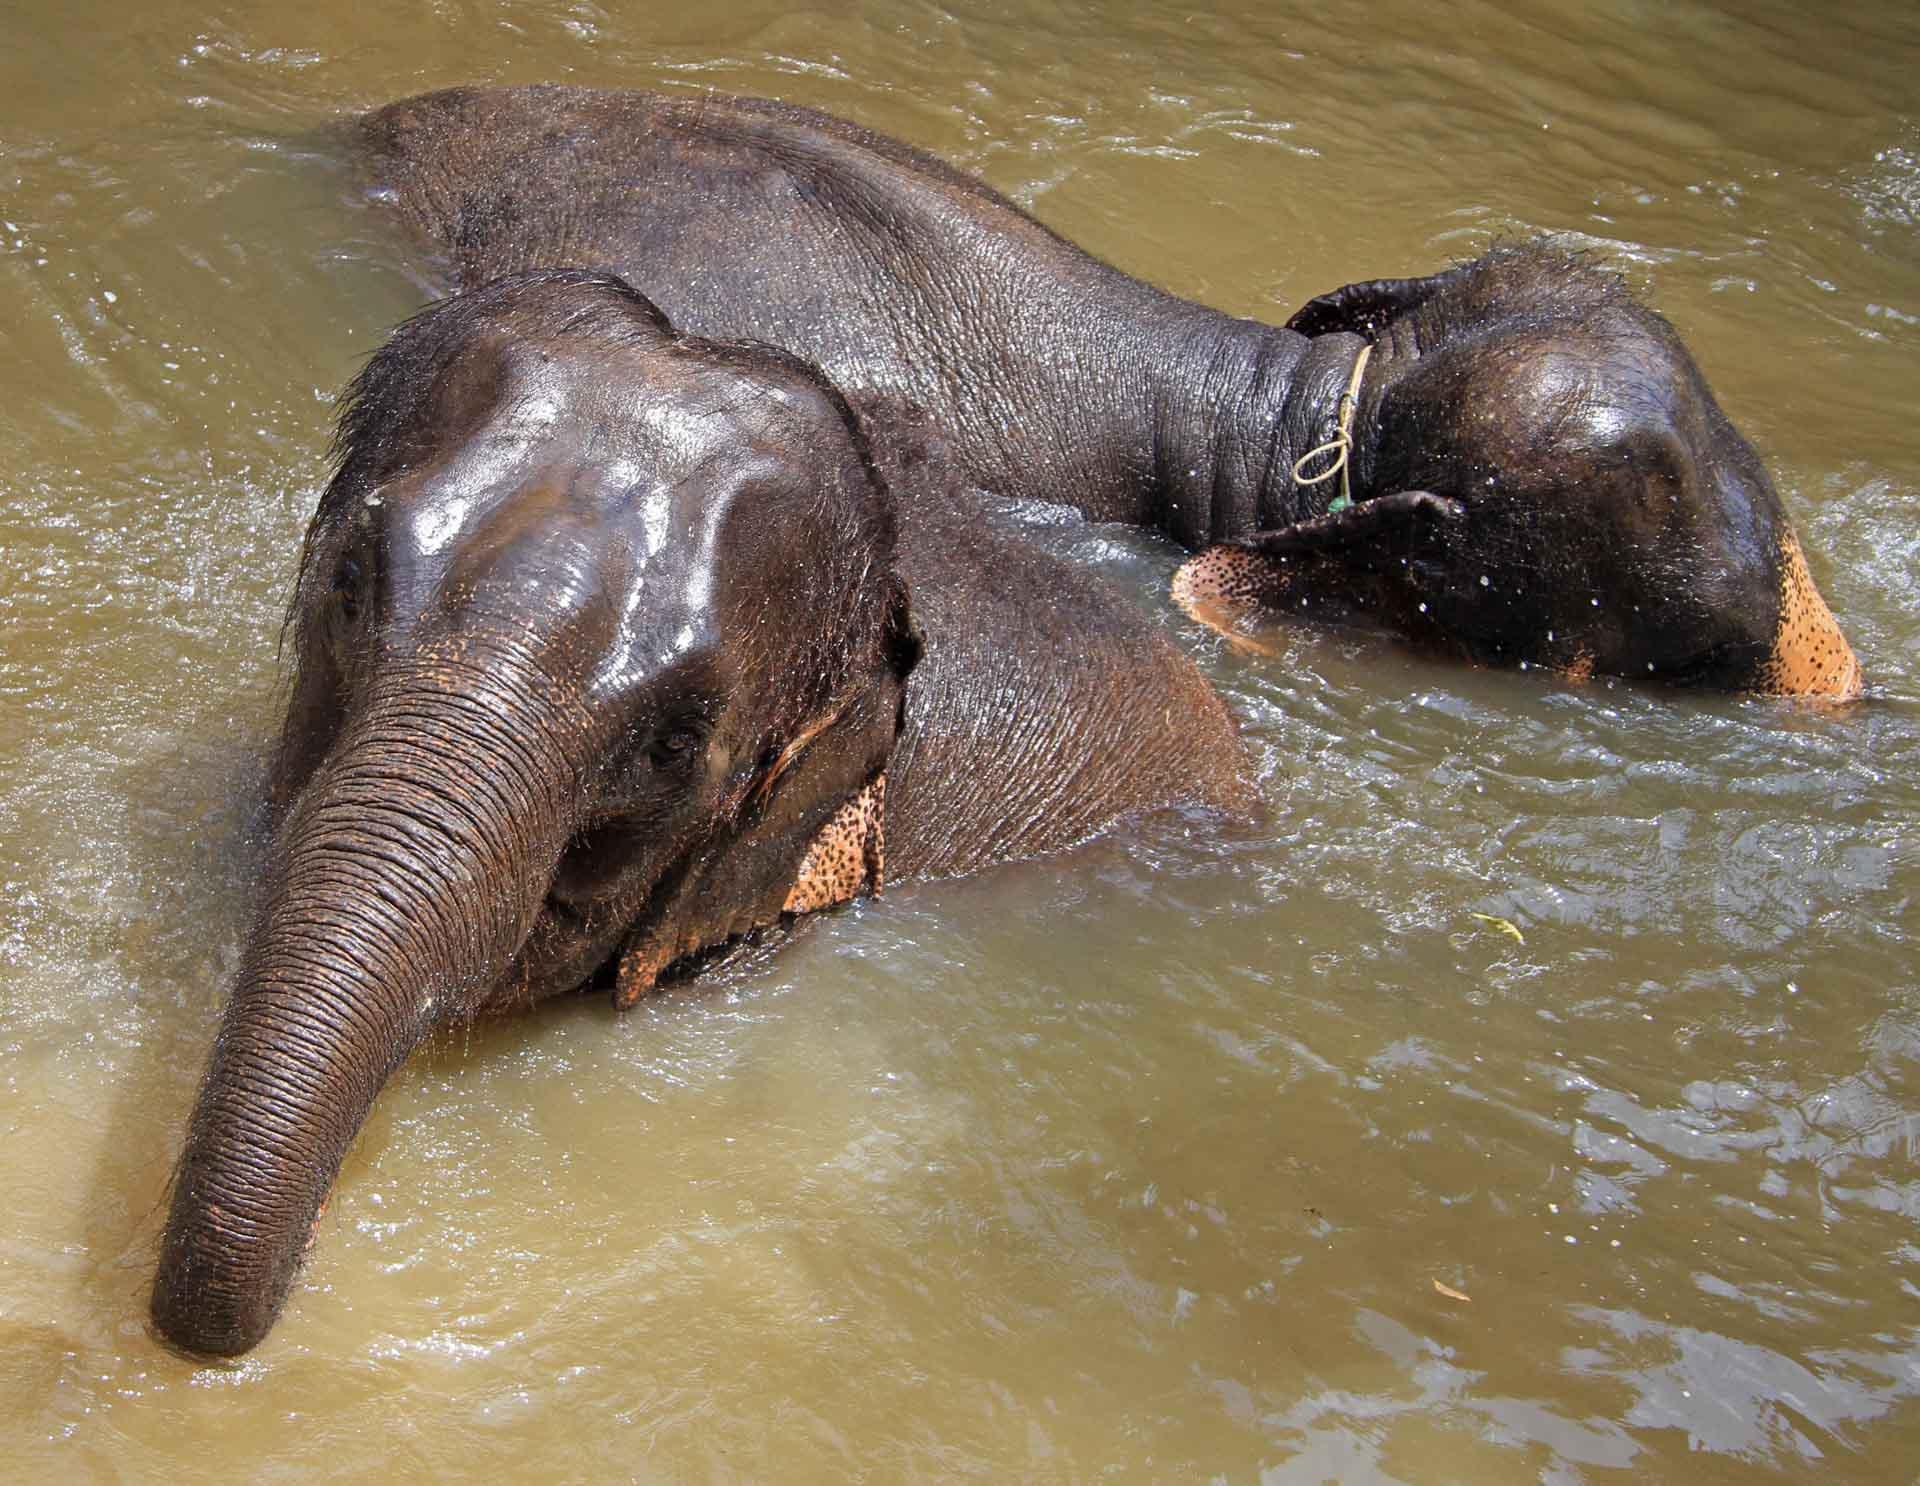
{"x":1533,"y":470}
{"x":614,"y":645}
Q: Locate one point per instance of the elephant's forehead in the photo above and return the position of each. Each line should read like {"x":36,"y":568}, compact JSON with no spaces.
{"x":649,"y":486}
{"x":661,"y":462}
{"x":642,"y":425}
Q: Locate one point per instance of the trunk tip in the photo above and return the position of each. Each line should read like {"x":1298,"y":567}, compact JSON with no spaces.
{"x":199,"y":1323}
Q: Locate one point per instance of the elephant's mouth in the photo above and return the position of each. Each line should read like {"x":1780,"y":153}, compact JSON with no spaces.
{"x":632,"y":928}
{"x":573,"y":939}
{"x":566,"y":944}
{"x":577,"y":937}
{"x":628,"y":937}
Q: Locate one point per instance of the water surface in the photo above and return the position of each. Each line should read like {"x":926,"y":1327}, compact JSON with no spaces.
{"x":1194,"y":1155}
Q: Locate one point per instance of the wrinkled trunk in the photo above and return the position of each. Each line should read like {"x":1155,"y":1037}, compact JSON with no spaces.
{"x":410,"y":873}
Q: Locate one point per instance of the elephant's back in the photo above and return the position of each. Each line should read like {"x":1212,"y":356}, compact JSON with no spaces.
{"x":702,"y":201}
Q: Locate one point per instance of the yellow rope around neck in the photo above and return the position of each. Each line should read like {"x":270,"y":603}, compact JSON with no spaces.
{"x":1341,"y":444}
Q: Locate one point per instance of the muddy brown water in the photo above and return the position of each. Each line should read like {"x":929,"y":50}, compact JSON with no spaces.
{"x":1190,"y":1156}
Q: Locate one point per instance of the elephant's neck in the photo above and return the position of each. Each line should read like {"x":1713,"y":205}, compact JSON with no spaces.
{"x":1237,"y":417}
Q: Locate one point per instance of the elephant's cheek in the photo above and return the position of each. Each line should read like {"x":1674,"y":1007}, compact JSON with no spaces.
{"x":1811,"y":657}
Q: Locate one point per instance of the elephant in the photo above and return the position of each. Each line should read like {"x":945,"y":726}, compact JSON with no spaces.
{"x":614,"y":645}
{"x":1511,"y":461}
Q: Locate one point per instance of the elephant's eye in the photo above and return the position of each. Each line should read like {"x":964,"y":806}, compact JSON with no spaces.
{"x":346,"y":589}
{"x":673,"y":745}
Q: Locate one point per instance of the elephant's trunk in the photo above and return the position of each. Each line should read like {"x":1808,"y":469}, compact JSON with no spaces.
{"x":411,"y":871}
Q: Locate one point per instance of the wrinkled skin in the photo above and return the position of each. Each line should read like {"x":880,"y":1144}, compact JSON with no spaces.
{"x":1518,"y":419}
{"x":614,"y":645}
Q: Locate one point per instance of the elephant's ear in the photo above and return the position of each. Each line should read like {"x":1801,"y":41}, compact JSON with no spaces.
{"x":1324,"y":566}
{"x":1366,"y":308}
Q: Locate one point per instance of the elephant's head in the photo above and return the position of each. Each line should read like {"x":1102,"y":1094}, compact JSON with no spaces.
{"x":599,"y":636}
{"x":1540,"y":476}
